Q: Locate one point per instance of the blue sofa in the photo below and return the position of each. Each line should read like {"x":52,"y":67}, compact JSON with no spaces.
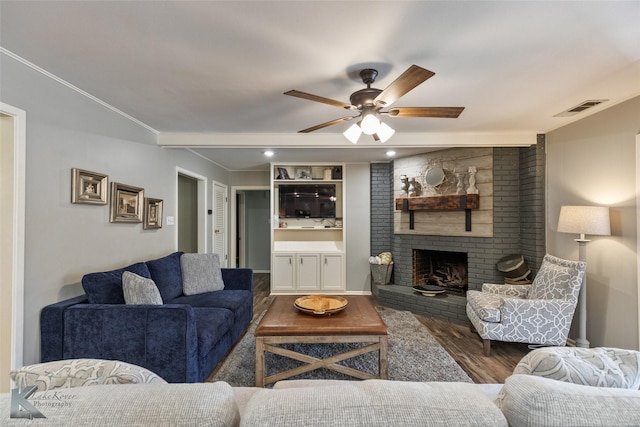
{"x":181,"y":340}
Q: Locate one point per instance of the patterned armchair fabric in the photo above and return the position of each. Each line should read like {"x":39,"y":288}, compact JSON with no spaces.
{"x":539,"y":313}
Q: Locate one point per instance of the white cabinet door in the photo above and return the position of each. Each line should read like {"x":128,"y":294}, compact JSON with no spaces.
{"x":331,"y":272}
{"x":283,"y":274}
{"x":308,"y":271}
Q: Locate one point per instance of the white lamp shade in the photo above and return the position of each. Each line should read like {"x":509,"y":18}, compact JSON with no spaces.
{"x":370,"y":124}
{"x":584,"y":220}
{"x":353,"y":133}
{"x":385,"y":132}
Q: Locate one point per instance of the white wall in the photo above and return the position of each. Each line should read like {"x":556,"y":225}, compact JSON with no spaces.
{"x":63,"y":240}
{"x":592,"y":162}
{"x":358,"y":226}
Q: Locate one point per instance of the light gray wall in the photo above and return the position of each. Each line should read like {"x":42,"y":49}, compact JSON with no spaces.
{"x":64,"y":241}
{"x":592,"y":162}
{"x":357,"y":226}
{"x":187,"y":214}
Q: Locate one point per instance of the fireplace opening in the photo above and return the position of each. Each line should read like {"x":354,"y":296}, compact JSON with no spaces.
{"x":447,"y":270}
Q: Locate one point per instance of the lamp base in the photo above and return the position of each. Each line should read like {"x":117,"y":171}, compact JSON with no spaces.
{"x":582,"y":342}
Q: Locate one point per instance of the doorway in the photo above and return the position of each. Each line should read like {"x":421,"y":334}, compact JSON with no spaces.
{"x":250,"y":228}
{"x":191,"y":230}
{"x":12,"y":226}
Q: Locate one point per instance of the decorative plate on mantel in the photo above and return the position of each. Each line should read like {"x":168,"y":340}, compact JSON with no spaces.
{"x":320,"y":304}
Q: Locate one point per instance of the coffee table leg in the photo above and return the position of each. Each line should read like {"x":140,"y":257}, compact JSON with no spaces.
{"x":383,"y":368}
{"x":259,"y":362}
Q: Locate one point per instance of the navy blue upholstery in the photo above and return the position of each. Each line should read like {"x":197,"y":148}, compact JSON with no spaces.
{"x":182,"y":340}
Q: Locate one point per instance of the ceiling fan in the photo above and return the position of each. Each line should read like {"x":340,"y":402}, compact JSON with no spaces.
{"x":371,"y":101}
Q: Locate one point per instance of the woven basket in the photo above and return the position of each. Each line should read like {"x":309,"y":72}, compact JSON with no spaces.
{"x":381,"y":273}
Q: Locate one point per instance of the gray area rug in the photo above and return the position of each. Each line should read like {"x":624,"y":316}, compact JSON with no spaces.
{"x":413,"y":355}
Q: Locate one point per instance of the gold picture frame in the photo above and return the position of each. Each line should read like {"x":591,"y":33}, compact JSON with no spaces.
{"x":88,"y":187}
{"x":152,"y":213}
{"x":126,"y":203}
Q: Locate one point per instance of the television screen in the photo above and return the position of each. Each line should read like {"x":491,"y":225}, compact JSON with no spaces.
{"x":307,"y":200}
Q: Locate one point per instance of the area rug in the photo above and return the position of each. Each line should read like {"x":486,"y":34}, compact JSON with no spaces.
{"x":413,"y":355}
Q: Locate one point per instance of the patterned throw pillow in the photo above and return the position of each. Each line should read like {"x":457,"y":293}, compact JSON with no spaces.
{"x":200,"y":273}
{"x":80,"y":373}
{"x":139,"y":290}
{"x":600,"y":367}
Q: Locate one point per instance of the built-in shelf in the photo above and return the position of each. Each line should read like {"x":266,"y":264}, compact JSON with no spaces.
{"x":464,"y":202}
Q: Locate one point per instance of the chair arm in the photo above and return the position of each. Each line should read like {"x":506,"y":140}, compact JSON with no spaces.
{"x":161,"y":338}
{"x":518,"y":291}
{"x":237,"y":278}
{"x":542,"y":321}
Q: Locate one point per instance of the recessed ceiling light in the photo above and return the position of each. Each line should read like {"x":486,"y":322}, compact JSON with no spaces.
{"x":391,"y":153}
{"x":269,"y":153}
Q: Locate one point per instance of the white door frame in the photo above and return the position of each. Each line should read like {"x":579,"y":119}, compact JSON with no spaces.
{"x":203,"y":235}
{"x":638,"y":227}
{"x":232,"y":234}
{"x":17,"y":205}
{"x":223,"y":262}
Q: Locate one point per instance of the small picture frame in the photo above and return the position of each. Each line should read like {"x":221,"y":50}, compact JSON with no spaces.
{"x":126,"y":203}
{"x":303,"y":173}
{"x":152,"y":214}
{"x":88,"y":187}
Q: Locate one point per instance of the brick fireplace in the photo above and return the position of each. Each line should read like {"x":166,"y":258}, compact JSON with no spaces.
{"x":518,"y":228}
{"x":447,"y":270}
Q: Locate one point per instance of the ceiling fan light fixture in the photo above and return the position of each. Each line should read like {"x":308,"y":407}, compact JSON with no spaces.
{"x":385,"y":132}
{"x":370,"y":124}
{"x":353,"y":133}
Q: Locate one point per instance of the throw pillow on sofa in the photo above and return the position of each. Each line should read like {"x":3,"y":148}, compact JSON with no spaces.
{"x":200,"y":273}
{"x":139,"y":290}
{"x":106,"y":287}
{"x":82,"y":372}
{"x":598,"y":367}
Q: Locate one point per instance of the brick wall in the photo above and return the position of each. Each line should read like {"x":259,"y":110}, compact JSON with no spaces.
{"x":518,"y":195}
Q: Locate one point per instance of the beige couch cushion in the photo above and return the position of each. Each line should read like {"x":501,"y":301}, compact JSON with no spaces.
{"x":374,"y":403}
{"x":535,"y":401}
{"x":208,"y":404}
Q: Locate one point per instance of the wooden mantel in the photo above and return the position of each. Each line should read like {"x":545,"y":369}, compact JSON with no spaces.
{"x":465,"y":202}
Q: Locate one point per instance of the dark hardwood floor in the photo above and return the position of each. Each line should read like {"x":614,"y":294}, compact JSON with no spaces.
{"x":463,"y":345}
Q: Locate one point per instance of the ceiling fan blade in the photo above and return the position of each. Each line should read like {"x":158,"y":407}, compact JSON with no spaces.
{"x":317,"y":98}
{"x":324,"y":125}
{"x":444,"y":112}
{"x":408,"y":80}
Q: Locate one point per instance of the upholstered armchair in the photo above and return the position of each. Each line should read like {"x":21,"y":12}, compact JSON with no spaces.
{"x":539,"y":313}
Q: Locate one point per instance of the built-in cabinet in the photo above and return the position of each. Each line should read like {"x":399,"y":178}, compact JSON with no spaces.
{"x":307,"y":239}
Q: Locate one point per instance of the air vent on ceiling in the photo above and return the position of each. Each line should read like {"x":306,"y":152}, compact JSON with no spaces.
{"x":581,"y":107}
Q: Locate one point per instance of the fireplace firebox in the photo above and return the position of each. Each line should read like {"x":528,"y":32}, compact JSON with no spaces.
{"x":447,"y":270}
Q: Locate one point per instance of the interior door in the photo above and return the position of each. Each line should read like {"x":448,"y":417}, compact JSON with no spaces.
{"x":220,"y":202}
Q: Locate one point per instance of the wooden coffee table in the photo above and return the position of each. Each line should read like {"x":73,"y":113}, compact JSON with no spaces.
{"x":359,"y":322}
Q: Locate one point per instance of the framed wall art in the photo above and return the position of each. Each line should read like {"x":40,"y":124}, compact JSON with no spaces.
{"x":152,"y":214}
{"x":88,"y":187}
{"x":126,"y":203}
{"x":303,"y":173}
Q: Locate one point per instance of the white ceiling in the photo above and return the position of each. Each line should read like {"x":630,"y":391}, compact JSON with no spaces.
{"x":220,"y":67}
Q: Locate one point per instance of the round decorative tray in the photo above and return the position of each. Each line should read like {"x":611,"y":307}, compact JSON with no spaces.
{"x":429,"y":290}
{"x":320,"y":304}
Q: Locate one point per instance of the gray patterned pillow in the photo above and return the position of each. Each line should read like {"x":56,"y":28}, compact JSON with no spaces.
{"x":82,"y":372}
{"x":139,"y":290}
{"x":557,"y":279}
{"x":600,"y":367}
{"x":200,"y":273}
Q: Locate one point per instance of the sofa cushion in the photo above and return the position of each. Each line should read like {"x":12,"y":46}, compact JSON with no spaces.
{"x":374,"y":403}
{"x":139,"y":290}
{"x":167,"y":275}
{"x":200,"y":273}
{"x":229,"y":299}
{"x":601,"y":367}
{"x":212,"y":324}
{"x":208,"y":404}
{"x":557,"y":279}
{"x":106,"y":287}
{"x":81,"y":372}
{"x":535,"y":401}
